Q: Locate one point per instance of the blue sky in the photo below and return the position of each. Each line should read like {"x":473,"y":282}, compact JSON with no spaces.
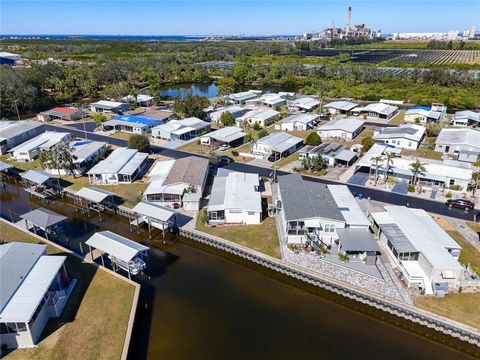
{"x":229,"y":16}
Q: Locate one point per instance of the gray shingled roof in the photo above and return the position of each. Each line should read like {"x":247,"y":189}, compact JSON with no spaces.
{"x":16,"y":260}
{"x":306,"y":199}
{"x":189,"y":170}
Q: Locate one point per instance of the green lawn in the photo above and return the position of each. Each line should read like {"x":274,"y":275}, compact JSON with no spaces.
{"x":131,"y":193}
{"x":22,"y":165}
{"x":459,"y":307}
{"x":121,"y":135}
{"x":398,"y":118}
{"x":469,"y":254}
{"x":262,"y":238}
{"x":422,"y":153}
{"x":194,"y":147}
{"x":287,"y":160}
{"x":94,"y":321}
{"x":475,"y":227}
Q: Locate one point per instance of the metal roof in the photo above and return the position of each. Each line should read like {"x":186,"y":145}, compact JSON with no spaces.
{"x":182,"y":125}
{"x":37,"y":176}
{"x":235,"y":190}
{"x":279,"y":141}
{"x":348,"y":206}
{"x":303,"y":199}
{"x":357,"y":240}
{"x":11,"y":129}
{"x":398,"y":239}
{"x":30,"y":293}
{"x":306,"y":103}
{"x":467,"y":115}
{"x":120,"y":161}
{"x":349,"y":125}
{"x":43,"y":218}
{"x":226,"y":134}
{"x":423,"y":111}
{"x":456,"y":136}
{"x":43,"y":141}
{"x":154,"y":210}
{"x":379,"y":108}
{"x":260,"y":114}
{"x":94,"y":194}
{"x":300,"y":118}
{"x":83,"y":150}
{"x":104,"y":104}
{"x":341,"y":105}
{"x":408,"y":131}
{"x":16,"y":260}
{"x":115,"y":245}
{"x":4,"y":166}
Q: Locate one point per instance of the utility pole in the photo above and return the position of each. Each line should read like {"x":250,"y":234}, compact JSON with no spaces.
{"x":16,"y":107}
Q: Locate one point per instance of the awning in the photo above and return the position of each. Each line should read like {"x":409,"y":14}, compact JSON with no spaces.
{"x":43,"y":218}
{"x":94,"y":194}
{"x":115,"y":245}
{"x":360,"y":240}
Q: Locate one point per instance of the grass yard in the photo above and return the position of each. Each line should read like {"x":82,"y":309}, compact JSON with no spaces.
{"x":367,"y":131}
{"x":459,"y":307}
{"x":21,"y":165}
{"x":422,"y":153}
{"x":94,"y":321}
{"x":287,"y":160}
{"x":469,"y":254}
{"x":398,"y":118}
{"x":194,"y":147}
{"x":131,"y":193}
{"x":475,"y":227}
{"x":262,"y":238}
{"x":121,"y":135}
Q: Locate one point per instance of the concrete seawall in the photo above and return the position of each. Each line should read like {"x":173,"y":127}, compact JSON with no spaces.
{"x":390,"y":306}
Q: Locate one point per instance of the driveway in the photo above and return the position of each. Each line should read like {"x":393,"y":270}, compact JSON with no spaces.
{"x":401,"y":187}
{"x":261,"y":162}
{"x":358,"y":178}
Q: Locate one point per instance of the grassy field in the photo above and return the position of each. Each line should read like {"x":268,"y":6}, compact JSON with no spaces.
{"x":287,"y":160}
{"x":121,"y":135}
{"x":94,"y":321}
{"x":422,"y":152}
{"x":21,"y":165}
{"x":262,"y":238}
{"x":459,"y":307}
{"x":398,"y":118}
{"x":131,"y":193}
{"x":469,"y":254}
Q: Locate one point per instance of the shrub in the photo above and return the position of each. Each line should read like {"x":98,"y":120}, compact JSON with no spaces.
{"x":455,"y":187}
{"x":391,"y":180}
{"x":262,"y":133}
{"x":322,"y":172}
{"x":139,"y":142}
{"x":448,"y":195}
{"x":411,"y":188}
{"x":203,"y":216}
{"x":367,"y":143}
{"x":235,"y":153}
{"x":257,"y":126}
{"x":227,"y":119}
{"x":313,"y":139}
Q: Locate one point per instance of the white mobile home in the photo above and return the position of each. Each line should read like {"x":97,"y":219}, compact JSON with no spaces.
{"x":304,"y":104}
{"x":235,"y":110}
{"x":235,"y":199}
{"x":231,"y":135}
{"x":31,"y":149}
{"x":422,"y":115}
{"x":109,"y":107}
{"x":298,"y":122}
{"x":457,"y":141}
{"x":424,"y":252}
{"x":33,"y":288}
{"x":466,"y":118}
{"x":340,"y":107}
{"x":182,"y":129}
{"x":376,"y":111}
{"x":407,"y":136}
{"x":280,"y":144}
{"x":121,"y":166}
{"x":263,"y":117}
{"x":343,"y":129}
{"x":13,"y":133}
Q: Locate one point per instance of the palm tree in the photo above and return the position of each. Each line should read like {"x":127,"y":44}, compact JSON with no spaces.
{"x":475,"y":182}
{"x":62,"y":156}
{"x":377,"y":159}
{"x":389,"y":158}
{"x":45,"y":158}
{"x":417,"y":166}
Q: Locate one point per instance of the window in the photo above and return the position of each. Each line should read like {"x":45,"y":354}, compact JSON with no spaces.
{"x":21,"y":327}
{"x":332,"y":228}
{"x":251,"y":213}
{"x":327,"y":228}
{"x":235,"y":211}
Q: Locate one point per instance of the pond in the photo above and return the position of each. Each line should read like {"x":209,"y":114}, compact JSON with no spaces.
{"x":199,"y":305}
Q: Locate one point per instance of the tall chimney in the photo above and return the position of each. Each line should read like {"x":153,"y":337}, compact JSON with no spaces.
{"x":348,"y":19}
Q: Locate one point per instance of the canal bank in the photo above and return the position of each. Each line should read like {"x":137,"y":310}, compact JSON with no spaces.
{"x":198,"y":304}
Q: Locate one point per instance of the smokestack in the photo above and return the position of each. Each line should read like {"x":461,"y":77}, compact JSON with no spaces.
{"x":348,"y":18}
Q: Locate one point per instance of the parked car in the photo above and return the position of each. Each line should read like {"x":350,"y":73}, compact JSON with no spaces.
{"x":224,"y":160}
{"x":224,"y":147}
{"x":460,"y":203}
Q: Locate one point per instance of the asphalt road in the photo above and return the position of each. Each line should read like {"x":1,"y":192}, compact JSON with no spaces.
{"x":374,"y":194}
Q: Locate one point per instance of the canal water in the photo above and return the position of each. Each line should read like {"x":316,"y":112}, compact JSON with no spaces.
{"x":198,"y":305}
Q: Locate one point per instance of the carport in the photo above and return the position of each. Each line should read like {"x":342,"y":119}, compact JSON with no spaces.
{"x":45,"y":220}
{"x":93,"y":198}
{"x":122,"y":252}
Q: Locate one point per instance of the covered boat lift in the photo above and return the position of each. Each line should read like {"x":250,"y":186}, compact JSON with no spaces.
{"x":45,"y":220}
{"x":122,"y":252}
{"x":154,"y":215}
{"x":93,"y":198}
{"x":4,"y":169}
{"x":41,"y":184}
